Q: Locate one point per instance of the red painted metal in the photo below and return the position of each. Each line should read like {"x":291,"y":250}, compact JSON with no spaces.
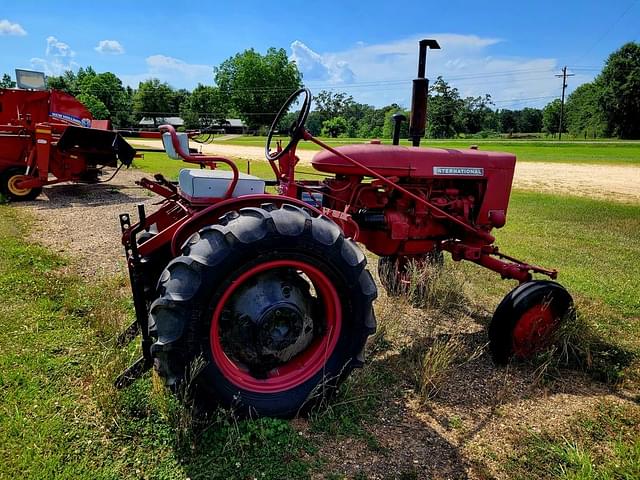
{"x":533,"y":330}
{"x":203,"y":159}
{"x":32,"y":125}
{"x":304,"y":365}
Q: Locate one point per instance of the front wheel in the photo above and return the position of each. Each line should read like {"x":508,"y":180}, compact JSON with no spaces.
{"x":528,"y":319}
{"x":9,"y":185}
{"x":276,"y":302}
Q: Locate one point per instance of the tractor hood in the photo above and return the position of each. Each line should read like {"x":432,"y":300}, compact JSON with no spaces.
{"x":400,"y":161}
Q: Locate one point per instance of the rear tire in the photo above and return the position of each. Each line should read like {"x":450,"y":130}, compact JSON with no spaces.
{"x":8,"y":180}
{"x":273,"y":341}
{"x":528,"y":319}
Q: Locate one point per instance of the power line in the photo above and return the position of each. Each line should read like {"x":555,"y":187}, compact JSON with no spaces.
{"x":586,"y":52}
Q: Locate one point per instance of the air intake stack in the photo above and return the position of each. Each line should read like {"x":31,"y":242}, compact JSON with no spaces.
{"x":418,"y":120}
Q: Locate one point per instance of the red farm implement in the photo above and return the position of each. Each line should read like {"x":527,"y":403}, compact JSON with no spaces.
{"x":272,"y":292}
{"x":49,"y":137}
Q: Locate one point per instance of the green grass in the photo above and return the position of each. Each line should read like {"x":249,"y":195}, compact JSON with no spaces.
{"x":623,"y":153}
{"x":594,"y":244}
{"x":600,"y":445}
{"x":61,"y":418}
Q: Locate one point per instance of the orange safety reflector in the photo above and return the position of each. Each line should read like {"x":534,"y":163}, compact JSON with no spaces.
{"x":42,"y":130}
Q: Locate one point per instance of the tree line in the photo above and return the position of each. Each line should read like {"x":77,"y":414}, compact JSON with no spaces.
{"x":252,"y":86}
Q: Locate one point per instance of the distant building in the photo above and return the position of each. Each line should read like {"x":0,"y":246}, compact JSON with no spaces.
{"x":173,"y":121}
{"x":231,"y":125}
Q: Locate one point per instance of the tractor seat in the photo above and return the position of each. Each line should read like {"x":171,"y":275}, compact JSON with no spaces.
{"x":399,"y":161}
{"x":202,"y":186}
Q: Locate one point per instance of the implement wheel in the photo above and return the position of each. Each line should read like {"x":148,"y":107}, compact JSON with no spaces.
{"x":276,"y":302}
{"x":528,"y":319}
{"x":9,"y":188}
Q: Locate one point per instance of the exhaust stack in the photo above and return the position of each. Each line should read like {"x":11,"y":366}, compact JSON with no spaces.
{"x":418,"y":120}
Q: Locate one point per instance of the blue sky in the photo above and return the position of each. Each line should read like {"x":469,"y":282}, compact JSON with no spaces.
{"x":510,"y":50}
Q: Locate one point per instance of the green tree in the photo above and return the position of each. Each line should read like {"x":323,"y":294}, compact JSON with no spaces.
{"x":257,"y":85}
{"x":153,"y":99}
{"x":551,"y":117}
{"x":389,"y":124}
{"x":334,"y":127}
{"x":205,"y":106}
{"x":473,"y":113}
{"x":444,"y":105}
{"x":178,"y":99}
{"x":584,"y":116}
{"x":314,"y":122}
{"x":333,"y":104}
{"x":508,"y":121}
{"x":6,"y":82}
{"x":371,"y":125}
{"x":620,"y":99}
{"x":67,"y":82}
{"x":98,"y":109}
{"x":108,"y":89}
{"x":530,"y":120}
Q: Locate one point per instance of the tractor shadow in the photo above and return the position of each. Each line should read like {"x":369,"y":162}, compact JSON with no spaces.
{"x":88,"y":195}
{"x":474,"y":403}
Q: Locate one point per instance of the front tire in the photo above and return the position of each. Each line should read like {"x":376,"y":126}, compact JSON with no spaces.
{"x":8,"y":185}
{"x":276,"y":302}
{"x":528,"y":319}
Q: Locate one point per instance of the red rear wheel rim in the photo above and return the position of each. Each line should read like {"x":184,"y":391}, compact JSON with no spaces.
{"x":304,"y":365}
{"x":534,"y":330}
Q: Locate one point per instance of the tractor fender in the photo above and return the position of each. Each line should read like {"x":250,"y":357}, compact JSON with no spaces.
{"x":212,"y":214}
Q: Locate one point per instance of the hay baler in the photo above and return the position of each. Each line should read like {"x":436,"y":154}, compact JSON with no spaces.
{"x":49,"y":137}
{"x":263,"y":302}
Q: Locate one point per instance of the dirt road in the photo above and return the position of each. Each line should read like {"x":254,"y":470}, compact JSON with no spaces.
{"x":612,"y":182}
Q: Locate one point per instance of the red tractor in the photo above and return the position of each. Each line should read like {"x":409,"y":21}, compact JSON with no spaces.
{"x":49,"y":137}
{"x":263,"y":302}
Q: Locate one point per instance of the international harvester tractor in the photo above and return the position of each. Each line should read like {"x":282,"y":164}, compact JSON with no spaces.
{"x":268,"y":295}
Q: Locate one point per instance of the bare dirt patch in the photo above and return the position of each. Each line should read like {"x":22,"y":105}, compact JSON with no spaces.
{"x":81,"y":221}
{"x":609,"y":182}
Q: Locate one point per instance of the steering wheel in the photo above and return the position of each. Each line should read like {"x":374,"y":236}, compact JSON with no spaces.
{"x":296,"y":130}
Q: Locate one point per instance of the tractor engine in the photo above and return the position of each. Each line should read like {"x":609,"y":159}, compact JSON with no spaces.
{"x":469,"y":185}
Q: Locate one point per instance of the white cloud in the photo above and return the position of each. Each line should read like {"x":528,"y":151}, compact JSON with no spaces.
{"x":56,"y":48}
{"x":8,"y":28}
{"x":162,"y":65}
{"x":174,"y":71}
{"x":316,"y":67}
{"x":381,"y":73}
{"x":57,"y":58}
{"x":109,"y":47}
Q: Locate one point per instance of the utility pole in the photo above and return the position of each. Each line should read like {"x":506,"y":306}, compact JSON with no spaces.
{"x":564,"y":86}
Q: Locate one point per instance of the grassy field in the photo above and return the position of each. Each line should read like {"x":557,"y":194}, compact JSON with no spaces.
{"x":159,"y":163}
{"x":623,"y":153}
{"x":61,"y":418}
